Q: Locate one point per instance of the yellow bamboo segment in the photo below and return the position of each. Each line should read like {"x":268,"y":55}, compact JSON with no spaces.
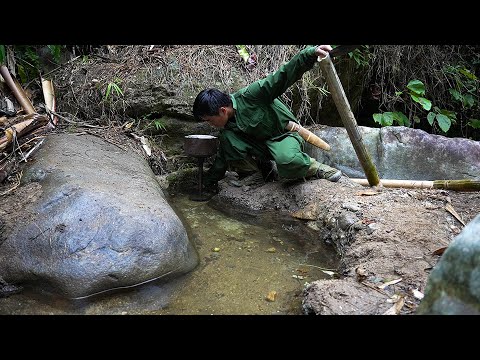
{"x":456,"y":185}
{"x":410,"y":184}
{"x":33,"y":121}
{"x":309,"y":136}
{"x":49,"y":96}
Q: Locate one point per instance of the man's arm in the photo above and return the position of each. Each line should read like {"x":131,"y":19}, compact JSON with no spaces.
{"x":275,"y":84}
{"x":217,"y":171}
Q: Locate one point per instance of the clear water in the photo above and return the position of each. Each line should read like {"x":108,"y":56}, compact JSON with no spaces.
{"x":248,"y":265}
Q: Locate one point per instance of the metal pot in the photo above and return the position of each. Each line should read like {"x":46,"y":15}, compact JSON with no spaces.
{"x":200,"y":145}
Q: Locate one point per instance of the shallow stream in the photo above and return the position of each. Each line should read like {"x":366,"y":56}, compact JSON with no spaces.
{"x":256,"y":264}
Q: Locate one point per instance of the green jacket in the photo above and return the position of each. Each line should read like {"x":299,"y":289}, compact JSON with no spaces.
{"x":259,"y":113}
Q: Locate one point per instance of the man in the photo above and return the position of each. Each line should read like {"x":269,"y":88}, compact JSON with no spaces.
{"x":252,"y":122}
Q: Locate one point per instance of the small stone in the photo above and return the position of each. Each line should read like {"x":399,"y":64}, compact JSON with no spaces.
{"x":271,"y":296}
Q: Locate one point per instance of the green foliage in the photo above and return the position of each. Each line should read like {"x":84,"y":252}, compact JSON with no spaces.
{"x":417,"y":89}
{"x":159,"y":125}
{"x":56,"y":51}
{"x":474,"y":123}
{"x":361,"y":56}
{"x":27,"y":59}
{"x":443,"y":118}
{"x":242,"y":51}
{"x":114,"y":89}
{"x":466,"y":86}
{"x":465,"y":91}
{"x":2,"y":54}
{"x":389,"y":117}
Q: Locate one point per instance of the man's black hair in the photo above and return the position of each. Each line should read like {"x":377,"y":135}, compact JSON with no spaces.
{"x":208,"y":103}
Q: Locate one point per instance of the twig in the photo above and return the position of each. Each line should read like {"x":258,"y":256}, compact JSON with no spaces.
{"x":318,"y":267}
{"x":375,"y":288}
{"x":77,"y":123}
{"x":104,"y":138}
{"x":65,"y":63}
{"x":33,"y":149}
{"x":15,"y":186}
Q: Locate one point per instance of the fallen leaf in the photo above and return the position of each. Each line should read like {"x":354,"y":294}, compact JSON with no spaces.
{"x":452,"y":211}
{"x":396,"y":308}
{"x":367,"y":193}
{"x":299,"y":277}
{"x":331,"y":273}
{"x":439,"y":251}
{"x":417,"y":294}
{"x":361,"y":274}
{"x":271,"y":296}
{"x":367,"y":221}
{"x":388,"y":283}
{"x":309,"y":212}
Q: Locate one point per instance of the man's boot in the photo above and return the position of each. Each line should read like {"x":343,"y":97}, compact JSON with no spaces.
{"x":269,"y":170}
{"x":323,"y":171}
{"x":248,"y":172}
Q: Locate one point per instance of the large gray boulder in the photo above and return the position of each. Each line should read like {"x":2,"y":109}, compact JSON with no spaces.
{"x":100,"y":223}
{"x":453,"y":287}
{"x":401,"y":153}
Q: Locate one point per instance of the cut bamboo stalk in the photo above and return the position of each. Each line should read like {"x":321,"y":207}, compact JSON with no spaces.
{"x":33,"y":122}
{"x":456,"y":185}
{"x":309,"y":136}
{"x":17,"y":91}
{"x":49,"y":96}
{"x":348,"y":119}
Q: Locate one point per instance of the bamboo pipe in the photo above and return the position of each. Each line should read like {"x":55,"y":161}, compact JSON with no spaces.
{"x":17,"y":91}
{"x":309,"y":136}
{"x":456,"y":185}
{"x":348,"y":119}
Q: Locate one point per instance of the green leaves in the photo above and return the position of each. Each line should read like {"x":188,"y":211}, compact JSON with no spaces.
{"x":474,"y":123}
{"x":113,"y":86}
{"x":2,"y":54}
{"x":441,"y":117}
{"x":444,"y":118}
{"x":426,"y":104}
{"x":242,"y":51}
{"x":387,"y":118}
{"x":444,"y":122}
{"x":417,"y":89}
{"x":55,"y":50}
{"x":467,"y":100}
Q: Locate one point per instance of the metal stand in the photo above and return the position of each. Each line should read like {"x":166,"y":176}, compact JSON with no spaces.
{"x":199,"y":196}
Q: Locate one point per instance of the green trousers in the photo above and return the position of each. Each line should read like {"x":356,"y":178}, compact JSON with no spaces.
{"x":285,"y":150}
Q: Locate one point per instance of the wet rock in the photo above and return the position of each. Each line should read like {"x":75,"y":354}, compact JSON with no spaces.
{"x":100,"y":223}
{"x":341,"y":297}
{"x":392,"y":147}
{"x":453,"y":287}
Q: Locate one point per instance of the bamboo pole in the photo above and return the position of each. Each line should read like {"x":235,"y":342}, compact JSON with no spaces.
{"x":456,"y":185}
{"x":348,"y":119}
{"x":17,"y":91}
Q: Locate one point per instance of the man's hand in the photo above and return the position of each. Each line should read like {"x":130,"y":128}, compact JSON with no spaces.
{"x":322,"y":51}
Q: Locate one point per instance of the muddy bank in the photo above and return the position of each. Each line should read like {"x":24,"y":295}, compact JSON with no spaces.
{"x":387,"y":238}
